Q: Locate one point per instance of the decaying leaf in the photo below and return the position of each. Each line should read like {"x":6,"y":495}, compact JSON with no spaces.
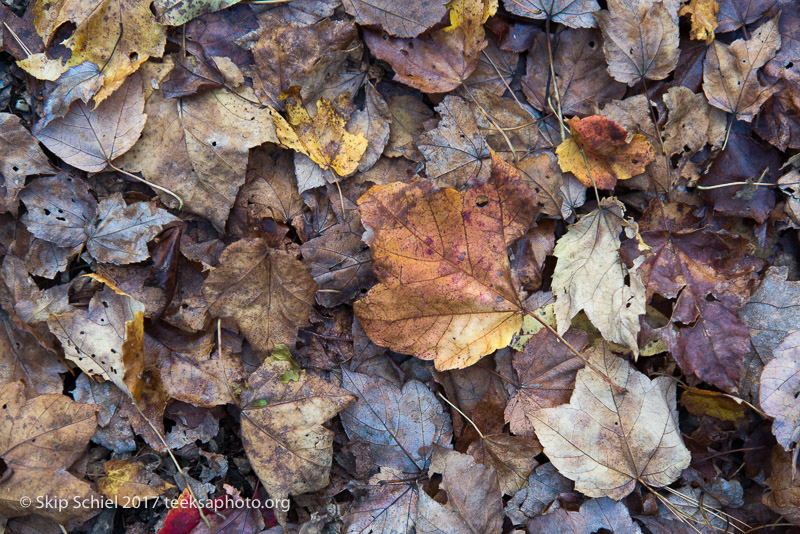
{"x":387,"y":507}
{"x":178,"y":12}
{"x":441,"y":60}
{"x":106,"y":341}
{"x":282,"y":432}
{"x":60,"y":209}
{"x":79,"y":82}
{"x":446,"y":292}
{"x":611,"y":153}
{"x":704,"y":18}
{"x":594,"y":515}
{"x":605,"y":440}
{"x":127,"y":481}
{"x":408,"y":115}
{"x":40,"y":440}
{"x":23,"y":357}
{"x":780,"y":388}
{"x":773,"y":311}
{"x":268,"y":292}
{"x":118,"y":34}
{"x":640,"y":39}
{"x":572,"y":13}
{"x":730,"y":72}
{"x":512,"y":457}
{"x":20,"y":157}
{"x":401,"y":19}
{"x":399,"y":427}
{"x":785,"y":495}
{"x":591,"y":276}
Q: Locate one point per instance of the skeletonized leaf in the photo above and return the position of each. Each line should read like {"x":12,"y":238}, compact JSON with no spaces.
{"x":268,"y":292}
{"x":447,"y":292}
{"x":282,"y":432}
{"x":591,"y":276}
{"x":640,"y":40}
{"x":401,"y":19}
{"x":730,"y":79}
{"x":90,"y":138}
{"x":605,"y":440}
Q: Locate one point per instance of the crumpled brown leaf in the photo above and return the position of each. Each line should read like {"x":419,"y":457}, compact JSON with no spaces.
{"x":730,"y":79}
{"x":39,"y":441}
{"x":605,"y":440}
{"x":704,"y":18}
{"x":640,"y":39}
{"x":446,"y":293}
{"x":268,"y":292}
{"x":591,"y":276}
{"x":20,"y":157}
{"x":282,"y":432}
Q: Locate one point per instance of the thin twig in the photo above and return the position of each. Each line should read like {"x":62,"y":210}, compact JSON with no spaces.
{"x":465,"y":416}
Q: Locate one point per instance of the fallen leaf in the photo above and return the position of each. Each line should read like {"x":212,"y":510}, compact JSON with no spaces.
{"x":692,"y":123}
{"x":773,"y":311}
{"x":784,"y":498}
{"x":733,"y":14}
{"x":594,"y":515}
{"x":704,"y":18}
{"x":730,"y":79}
{"x":439,"y":61}
{"x":780,"y":387}
{"x":323,"y":138}
{"x":282,"y":432}
{"x":91,"y":138}
{"x":179,"y":12}
{"x":546,"y":370}
{"x":268,"y":292}
{"x":544,"y":486}
{"x":512,"y":458}
{"x":387,"y":508}
{"x":20,"y":157}
{"x":24,"y":357}
{"x":407,"y":19}
{"x":557,"y":194}
{"x":455,"y":151}
{"x":706,"y":337}
{"x":78,"y":82}
{"x":120,"y":46}
{"x":605,"y":440}
{"x":474,"y":501}
{"x":408,"y":114}
{"x":60,"y":209}
{"x":701,"y":402}
{"x":640,"y":39}
{"x":495,"y":71}
{"x":106,"y":340}
{"x":301,"y":55}
{"x":41,"y":438}
{"x":572,"y":13}
{"x":399,"y":427}
{"x":580,"y":73}
{"x":373,"y":121}
{"x":120,"y":232}
{"x":271,"y":189}
{"x":197,"y":146}
{"x":128,"y":482}
{"x":591,"y":276}
{"x":611,"y":153}
{"x":446,"y":291}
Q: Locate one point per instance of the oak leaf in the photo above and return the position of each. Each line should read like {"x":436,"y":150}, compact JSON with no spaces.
{"x":780,"y":387}
{"x":197,"y":146}
{"x":120,"y":46}
{"x":268,"y":292}
{"x":447,"y":293}
{"x":399,"y":427}
{"x":730,"y":78}
{"x":605,"y":440}
{"x":611,"y":152}
{"x":282,"y":432}
{"x":572,"y":13}
{"x":105,"y":341}
{"x":640,"y":39}
{"x":401,"y":19}
{"x":40,"y":439}
{"x":20,"y":157}
{"x":591,"y":276}
{"x":439,"y":61}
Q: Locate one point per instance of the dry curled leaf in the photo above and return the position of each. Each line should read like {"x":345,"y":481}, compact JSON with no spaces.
{"x":282,"y":432}
{"x":704,"y":18}
{"x":730,"y":79}
{"x":640,"y":39}
{"x":605,"y":440}
{"x":268,"y":292}
{"x":591,"y":276}
{"x":611,"y":153}
{"x":446,"y":292}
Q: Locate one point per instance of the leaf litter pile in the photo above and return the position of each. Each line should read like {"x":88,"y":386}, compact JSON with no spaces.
{"x":395,"y":267}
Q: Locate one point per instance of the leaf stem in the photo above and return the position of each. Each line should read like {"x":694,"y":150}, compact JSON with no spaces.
{"x":577,"y":353}
{"x":453,"y":406}
{"x":154,"y":186}
{"x":553,"y":79}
